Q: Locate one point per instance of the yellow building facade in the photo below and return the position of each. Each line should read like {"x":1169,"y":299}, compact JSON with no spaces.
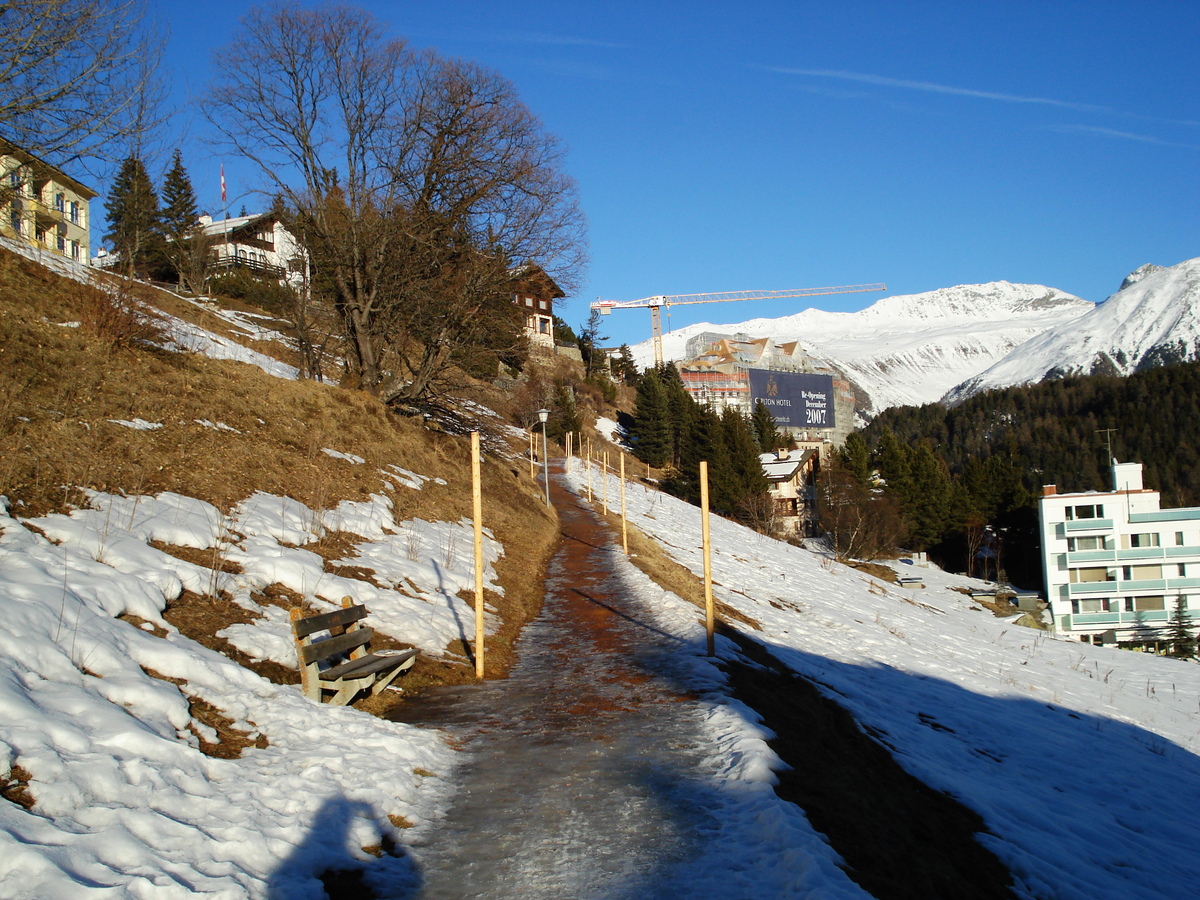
{"x":43,"y":205}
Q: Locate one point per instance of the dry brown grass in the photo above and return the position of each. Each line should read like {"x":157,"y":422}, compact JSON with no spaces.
{"x":60,"y":386}
{"x":231,"y":741}
{"x":14,"y":787}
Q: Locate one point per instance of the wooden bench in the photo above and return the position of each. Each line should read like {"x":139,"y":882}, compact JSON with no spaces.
{"x":349,"y":637}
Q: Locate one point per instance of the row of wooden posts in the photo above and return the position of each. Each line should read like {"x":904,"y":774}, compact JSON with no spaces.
{"x":477,"y":507}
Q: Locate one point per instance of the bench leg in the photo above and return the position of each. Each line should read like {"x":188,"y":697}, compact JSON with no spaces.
{"x":345,"y":691}
{"x":381,"y":685}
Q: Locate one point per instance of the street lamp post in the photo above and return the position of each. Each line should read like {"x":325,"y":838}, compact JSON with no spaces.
{"x":544,"y":417}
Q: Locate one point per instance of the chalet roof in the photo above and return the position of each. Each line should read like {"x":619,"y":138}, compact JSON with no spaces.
{"x":785,"y":469}
{"x":8,"y":147}
{"x":219,"y":227}
{"x":533,"y":277}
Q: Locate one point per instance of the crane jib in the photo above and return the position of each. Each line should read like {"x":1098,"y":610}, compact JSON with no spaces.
{"x":655,"y":303}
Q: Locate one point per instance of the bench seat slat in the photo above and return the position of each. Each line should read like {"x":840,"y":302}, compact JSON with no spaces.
{"x":369,"y":665}
{"x":304,"y":627}
{"x":335,"y":645}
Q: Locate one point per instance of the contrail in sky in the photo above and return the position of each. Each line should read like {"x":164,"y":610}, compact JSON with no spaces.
{"x":932,"y":88}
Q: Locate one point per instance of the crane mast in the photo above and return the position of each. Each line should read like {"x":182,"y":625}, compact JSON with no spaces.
{"x":656,"y":303}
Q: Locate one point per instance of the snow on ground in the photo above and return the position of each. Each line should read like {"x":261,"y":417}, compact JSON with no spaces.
{"x":611,"y":430}
{"x":766,"y":847}
{"x":184,"y":335}
{"x":1083,"y":761}
{"x":126,"y":805}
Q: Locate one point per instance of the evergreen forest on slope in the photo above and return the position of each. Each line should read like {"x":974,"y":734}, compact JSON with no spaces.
{"x":956,"y":470}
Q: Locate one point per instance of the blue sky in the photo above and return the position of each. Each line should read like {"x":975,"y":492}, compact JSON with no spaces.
{"x":772,"y":145}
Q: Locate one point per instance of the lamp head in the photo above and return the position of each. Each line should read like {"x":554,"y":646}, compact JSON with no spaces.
{"x":543,"y":416}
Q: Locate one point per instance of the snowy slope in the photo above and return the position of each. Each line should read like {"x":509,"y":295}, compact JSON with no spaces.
{"x":1154,"y":319}
{"x":909,"y":349}
{"x":126,"y":805}
{"x":1083,"y":761}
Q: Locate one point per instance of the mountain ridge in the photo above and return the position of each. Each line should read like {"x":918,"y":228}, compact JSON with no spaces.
{"x":908,"y":349}
{"x":1153,"y":319}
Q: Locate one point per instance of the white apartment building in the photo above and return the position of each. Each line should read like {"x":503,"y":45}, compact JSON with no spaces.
{"x":1115,"y":562}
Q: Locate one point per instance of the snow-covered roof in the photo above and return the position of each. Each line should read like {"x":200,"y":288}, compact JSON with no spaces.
{"x":783,"y":468}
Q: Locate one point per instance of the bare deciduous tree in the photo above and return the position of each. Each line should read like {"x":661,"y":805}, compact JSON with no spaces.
{"x":415,"y":182}
{"x":78,"y":78}
{"x":863,"y":523}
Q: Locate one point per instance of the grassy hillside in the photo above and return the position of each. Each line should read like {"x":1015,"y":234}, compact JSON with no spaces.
{"x":69,"y":377}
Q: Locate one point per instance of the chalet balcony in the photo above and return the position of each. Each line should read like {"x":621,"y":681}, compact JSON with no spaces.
{"x":229,"y":263}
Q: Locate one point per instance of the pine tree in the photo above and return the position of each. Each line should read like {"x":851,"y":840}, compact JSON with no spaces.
{"x":565,"y":418}
{"x":651,"y":429}
{"x":765,"y":431}
{"x":1180,"y":635}
{"x":856,"y":458}
{"x":745,"y":472}
{"x":183,"y":244}
{"x":133,"y":218}
{"x":701,"y":442}
{"x":681,"y":409}
{"x":624,"y":367}
{"x":589,"y":339}
{"x":179,"y":211}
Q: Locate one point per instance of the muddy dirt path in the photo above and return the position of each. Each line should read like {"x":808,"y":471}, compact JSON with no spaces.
{"x":575,"y":777}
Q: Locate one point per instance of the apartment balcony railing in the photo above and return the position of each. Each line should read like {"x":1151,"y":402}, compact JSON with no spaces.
{"x":1131,"y":554}
{"x":1115,"y":618}
{"x":1131,"y":588}
{"x":1078,"y":525}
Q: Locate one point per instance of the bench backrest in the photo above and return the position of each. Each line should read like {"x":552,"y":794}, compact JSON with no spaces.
{"x":345,"y":620}
{"x":349,"y":636}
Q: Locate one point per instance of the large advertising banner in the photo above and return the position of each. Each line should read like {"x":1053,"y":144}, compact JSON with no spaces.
{"x":795,"y":400}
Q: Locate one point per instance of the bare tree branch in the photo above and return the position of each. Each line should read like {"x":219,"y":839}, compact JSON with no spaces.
{"x":415,"y":182}
{"x":79,"y":79}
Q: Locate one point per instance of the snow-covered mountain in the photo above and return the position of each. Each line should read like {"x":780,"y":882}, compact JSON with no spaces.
{"x":1153,"y":320}
{"x":908,"y":349}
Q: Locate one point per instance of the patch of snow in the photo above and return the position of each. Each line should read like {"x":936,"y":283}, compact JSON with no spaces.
{"x":126,"y":804}
{"x":137,"y":424}
{"x":349,"y":457}
{"x":216,"y":426}
{"x":1153,"y":319}
{"x":183,"y":335}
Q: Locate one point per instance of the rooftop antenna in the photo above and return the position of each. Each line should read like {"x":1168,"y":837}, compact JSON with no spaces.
{"x":1108,"y":433}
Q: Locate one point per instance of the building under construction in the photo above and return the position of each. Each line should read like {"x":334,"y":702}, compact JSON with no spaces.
{"x":810,"y":401}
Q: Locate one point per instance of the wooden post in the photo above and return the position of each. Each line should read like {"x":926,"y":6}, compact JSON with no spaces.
{"x":604,"y":475}
{"x":589,"y":472}
{"x":708,"y":596}
{"x":532,"y":470}
{"x":310,"y":684}
{"x":624,"y":525}
{"x":477,"y":499}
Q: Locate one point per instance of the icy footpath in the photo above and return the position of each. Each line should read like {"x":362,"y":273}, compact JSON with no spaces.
{"x":1083,"y":761}
{"x":126,"y":804}
{"x":611,"y":763}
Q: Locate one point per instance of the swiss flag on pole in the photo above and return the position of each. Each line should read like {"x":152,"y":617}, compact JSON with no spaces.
{"x":222,"y":182}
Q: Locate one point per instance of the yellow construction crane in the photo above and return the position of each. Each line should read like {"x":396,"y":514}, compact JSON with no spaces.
{"x":655,"y":304}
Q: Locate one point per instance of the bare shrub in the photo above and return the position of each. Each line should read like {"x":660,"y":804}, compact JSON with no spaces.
{"x":760,"y":511}
{"x":120,"y":318}
{"x":863,"y":523}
